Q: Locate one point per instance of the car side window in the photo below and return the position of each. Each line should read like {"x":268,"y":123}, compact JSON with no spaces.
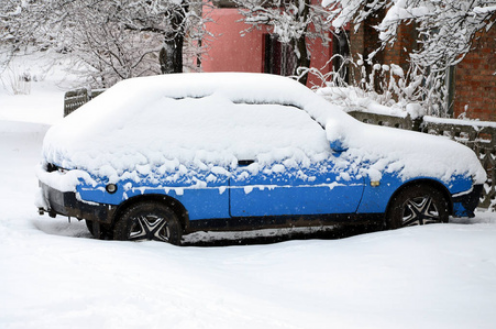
{"x":276,"y":128}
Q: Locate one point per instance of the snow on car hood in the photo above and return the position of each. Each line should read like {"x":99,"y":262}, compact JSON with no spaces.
{"x":406,"y":153}
{"x":184,"y":123}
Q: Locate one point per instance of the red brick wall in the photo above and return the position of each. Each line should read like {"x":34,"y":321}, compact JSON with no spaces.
{"x":399,"y":52}
{"x":475,"y":80}
{"x":366,"y":40}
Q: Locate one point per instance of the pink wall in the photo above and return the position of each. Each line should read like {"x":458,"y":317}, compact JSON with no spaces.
{"x":320,"y":54}
{"x":229,"y":51}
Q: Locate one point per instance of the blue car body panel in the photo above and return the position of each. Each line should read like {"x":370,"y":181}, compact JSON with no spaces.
{"x":299,"y":191}
{"x":210,"y":200}
{"x":201,"y":203}
{"x":294,"y":201}
{"x":296,"y":191}
{"x":376,"y":198}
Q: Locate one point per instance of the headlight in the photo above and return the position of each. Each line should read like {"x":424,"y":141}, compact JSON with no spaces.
{"x":50,"y":167}
{"x":111,"y":188}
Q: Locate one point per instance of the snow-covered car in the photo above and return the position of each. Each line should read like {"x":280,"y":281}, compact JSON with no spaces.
{"x":158,"y":157}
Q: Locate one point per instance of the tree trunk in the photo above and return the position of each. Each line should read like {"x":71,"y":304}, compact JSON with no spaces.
{"x":171,"y":54}
{"x":301,"y":43}
{"x":304,"y":59}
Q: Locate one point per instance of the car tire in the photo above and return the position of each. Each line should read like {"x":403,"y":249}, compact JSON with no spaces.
{"x":146,"y":221}
{"x":102,"y":232}
{"x":418,"y":204}
{"x":89,"y":225}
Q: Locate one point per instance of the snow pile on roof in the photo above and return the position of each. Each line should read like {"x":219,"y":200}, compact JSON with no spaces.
{"x":164,"y":123}
{"x":180,"y":125}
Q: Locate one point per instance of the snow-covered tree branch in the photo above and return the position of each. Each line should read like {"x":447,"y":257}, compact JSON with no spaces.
{"x":110,"y":40}
{"x":294,"y":22}
{"x":444,"y":32}
{"x":445,"y":29}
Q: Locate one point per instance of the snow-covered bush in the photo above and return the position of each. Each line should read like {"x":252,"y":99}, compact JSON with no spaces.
{"x":19,"y":80}
{"x":445,"y":29}
{"x":386,"y":89}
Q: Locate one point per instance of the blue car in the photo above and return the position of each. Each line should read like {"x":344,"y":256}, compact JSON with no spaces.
{"x":161,"y":157}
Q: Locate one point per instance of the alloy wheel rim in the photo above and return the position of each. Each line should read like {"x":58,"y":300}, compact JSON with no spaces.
{"x":420,"y":211}
{"x":150,"y":227}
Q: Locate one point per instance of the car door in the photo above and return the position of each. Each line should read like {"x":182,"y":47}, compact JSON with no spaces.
{"x":297,"y":176}
{"x":287,"y":194}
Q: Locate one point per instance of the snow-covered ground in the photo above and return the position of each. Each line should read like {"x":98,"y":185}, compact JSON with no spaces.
{"x":53,"y":274}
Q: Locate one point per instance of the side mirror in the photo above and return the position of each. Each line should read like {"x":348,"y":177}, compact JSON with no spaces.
{"x":337,"y":146}
{"x":336,"y":136}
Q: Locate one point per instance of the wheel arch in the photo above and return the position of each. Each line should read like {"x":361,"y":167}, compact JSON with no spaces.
{"x":426,"y":182}
{"x":176,"y":206}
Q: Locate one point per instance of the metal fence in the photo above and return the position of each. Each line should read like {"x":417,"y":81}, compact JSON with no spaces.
{"x":74,"y":99}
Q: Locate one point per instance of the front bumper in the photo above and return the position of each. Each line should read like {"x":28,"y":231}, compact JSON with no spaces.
{"x":67,"y":204}
{"x":465,"y":204}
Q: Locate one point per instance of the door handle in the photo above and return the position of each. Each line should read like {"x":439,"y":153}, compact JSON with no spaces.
{"x":245,"y":162}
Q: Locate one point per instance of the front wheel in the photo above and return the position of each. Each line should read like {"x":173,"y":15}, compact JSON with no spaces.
{"x":417,"y":205}
{"x":99,"y":231}
{"x":147,"y":221}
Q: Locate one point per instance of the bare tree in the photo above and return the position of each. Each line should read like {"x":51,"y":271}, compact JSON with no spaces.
{"x":171,"y":20}
{"x":21,"y":32}
{"x":109,"y":40}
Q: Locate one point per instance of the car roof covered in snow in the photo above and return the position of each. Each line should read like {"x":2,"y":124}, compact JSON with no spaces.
{"x":192,"y":120}
{"x":236,"y":87}
{"x":182,"y":123}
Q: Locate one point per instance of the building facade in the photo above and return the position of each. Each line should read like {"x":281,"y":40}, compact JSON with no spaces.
{"x":472,"y":83}
{"x":232,"y":49}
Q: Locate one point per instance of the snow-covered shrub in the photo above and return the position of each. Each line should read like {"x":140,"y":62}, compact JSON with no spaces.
{"x":24,"y":68}
{"x":19,"y":80}
{"x":417,"y":92}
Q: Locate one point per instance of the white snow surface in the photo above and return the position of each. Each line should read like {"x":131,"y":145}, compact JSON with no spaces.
{"x":54,"y":275}
{"x":180,"y":125}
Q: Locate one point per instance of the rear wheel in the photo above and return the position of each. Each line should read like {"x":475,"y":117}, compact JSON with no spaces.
{"x":147,"y":221}
{"x":417,"y":205}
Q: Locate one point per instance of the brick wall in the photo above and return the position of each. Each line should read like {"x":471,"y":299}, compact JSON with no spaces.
{"x":364,"y":41}
{"x":399,"y":52}
{"x":475,"y":80}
